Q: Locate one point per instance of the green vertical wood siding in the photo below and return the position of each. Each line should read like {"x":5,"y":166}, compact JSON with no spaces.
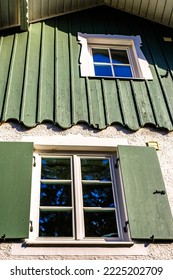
{"x":40,"y":76}
{"x":148,"y":212}
{"x":15,"y":189}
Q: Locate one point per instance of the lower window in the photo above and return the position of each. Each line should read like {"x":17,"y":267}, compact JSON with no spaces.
{"x":77,"y":198}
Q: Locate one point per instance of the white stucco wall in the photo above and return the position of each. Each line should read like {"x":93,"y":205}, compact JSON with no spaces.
{"x":16,"y":132}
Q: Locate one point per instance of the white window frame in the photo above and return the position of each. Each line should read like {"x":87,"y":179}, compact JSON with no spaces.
{"x":35,"y":196}
{"x":138,"y":62}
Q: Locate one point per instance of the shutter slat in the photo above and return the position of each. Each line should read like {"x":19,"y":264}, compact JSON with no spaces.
{"x":15,"y":188}
{"x":148,"y":211}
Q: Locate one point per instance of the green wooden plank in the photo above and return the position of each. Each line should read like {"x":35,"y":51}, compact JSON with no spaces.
{"x":96,"y":104}
{"x":142,"y":102}
{"x":78,"y":86}
{"x":6,"y":44}
{"x":4,"y":19}
{"x":149,"y":212}
{"x":62,"y":75}
{"x":111,"y":101}
{"x":30,"y":89}
{"x":23,"y":15}
{"x":15,"y":79}
{"x":15,"y":189}
{"x":46,"y":79}
{"x":127,"y":104}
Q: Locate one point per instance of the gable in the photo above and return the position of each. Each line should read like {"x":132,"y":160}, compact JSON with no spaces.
{"x":41,"y":81}
{"x":23,"y":12}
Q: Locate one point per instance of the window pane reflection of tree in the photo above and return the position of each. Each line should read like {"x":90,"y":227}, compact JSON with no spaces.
{"x":95,"y":169}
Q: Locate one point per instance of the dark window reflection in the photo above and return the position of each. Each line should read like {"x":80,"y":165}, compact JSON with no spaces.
{"x":55,"y":194}
{"x":95,"y":169}
{"x":55,"y":224}
{"x":101,"y":55}
{"x":56,"y":168}
{"x":100,"y":224}
{"x":119,"y":56}
{"x":98,"y":195}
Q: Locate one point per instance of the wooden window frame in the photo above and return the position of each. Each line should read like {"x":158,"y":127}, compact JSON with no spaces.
{"x":77,"y":215}
{"x":139,"y":65}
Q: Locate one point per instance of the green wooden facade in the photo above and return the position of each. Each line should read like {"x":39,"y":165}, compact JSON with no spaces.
{"x":40,"y":76}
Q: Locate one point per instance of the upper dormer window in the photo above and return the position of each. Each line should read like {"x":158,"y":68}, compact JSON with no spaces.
{"x":112,"y":56}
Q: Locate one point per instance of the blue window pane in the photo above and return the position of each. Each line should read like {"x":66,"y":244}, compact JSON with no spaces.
{"x":101,"y":55}
{"x":119,"y":57}
{"x":103,"y":70}
{"x":122,"y":71}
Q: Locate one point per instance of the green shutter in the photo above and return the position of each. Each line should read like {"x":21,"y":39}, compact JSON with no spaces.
{"x":15,"y":188}
{"x":148,"y":212}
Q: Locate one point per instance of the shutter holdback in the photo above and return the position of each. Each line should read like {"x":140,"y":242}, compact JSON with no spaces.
{"x":163,"y":192}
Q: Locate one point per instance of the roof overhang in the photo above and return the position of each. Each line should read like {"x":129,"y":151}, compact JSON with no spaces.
{"x":22,"y":12}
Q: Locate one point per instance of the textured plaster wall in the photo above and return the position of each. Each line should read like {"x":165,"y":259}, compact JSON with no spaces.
{"x":15,"y":132}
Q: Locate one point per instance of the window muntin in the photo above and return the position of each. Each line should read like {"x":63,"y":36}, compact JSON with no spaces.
{"x":111,"y":62}
{"x":78,"y":198}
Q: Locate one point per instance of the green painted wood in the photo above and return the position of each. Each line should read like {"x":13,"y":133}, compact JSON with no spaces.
{"x":46,"y":78}
{"x":31,"y":81}
{"x":15,"y":189}
{"x":5,"y":21}
{"x":127,"y":104}
{"x":41,"y":81}
{"x":111,"y":101}
{"x":78,"y":90}
{"x":142,"y":101}
{"x":14,"y":88}
{"x":62,"y":75}
{"x":6,"y":44}
{"x":157,"y":88}
{"x":23,"y":15}
{"x":149,"y":214}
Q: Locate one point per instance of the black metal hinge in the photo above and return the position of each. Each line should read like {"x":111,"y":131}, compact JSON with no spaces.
{"x":126,"y":226}
{"x":117,"y":162}
{"x":34,"y":161}
{"x":31,"y":226}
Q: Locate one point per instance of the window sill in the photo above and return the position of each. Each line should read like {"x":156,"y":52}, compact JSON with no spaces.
{"x":126,"y":249}
{"x":119,"y":78}
{"x":47,"y":242}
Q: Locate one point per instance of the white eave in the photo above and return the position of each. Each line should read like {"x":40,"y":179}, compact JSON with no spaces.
{"x":13,"y":12}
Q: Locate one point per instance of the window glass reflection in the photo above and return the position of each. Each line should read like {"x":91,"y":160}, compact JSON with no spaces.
{"x":95,"y":169}
{"x":119,"y":56}
{"x":98,"y":195}
{"x":56,"y":168}
{"x":101,"y":55}
{"x":55,"y":194}
{"x":100,"y":224}
{"x":122,"y":71}
{"x":55,"y":224}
